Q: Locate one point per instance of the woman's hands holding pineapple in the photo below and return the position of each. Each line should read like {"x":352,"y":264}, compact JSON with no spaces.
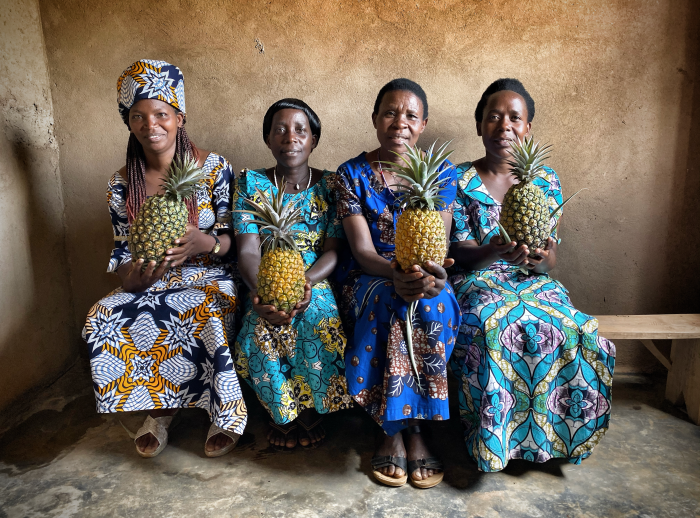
{"x":509,"y":252}
{"x":194,"y":242}
{"x":420,"y":283}
{"x":135,"y":280}
{"x":279,"y":317}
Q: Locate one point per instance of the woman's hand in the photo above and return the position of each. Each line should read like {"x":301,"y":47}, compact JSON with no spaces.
{"x":303,"y":303}
{"x":194,"y":242}
{"x":544,"y":259}
{"x":269,"y":312}
{"x":509,"y":252}
{"x":134,"y":280}
{"x":420,"y":283}
{"x":439,"y":275}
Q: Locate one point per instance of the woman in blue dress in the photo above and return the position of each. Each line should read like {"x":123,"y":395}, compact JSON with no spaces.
{"x":535,"y":376}
{"x":376,"y":294}
{"x":294,"y":361}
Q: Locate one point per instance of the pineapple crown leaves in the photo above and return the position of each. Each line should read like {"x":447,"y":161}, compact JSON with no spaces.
{"x":422,"y":171}
{"x":276,"y":216}
{"x":528,"y":159}
{"x":184,"y":178}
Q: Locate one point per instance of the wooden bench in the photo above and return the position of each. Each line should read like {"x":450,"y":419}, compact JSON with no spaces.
{"x":683,"y":383}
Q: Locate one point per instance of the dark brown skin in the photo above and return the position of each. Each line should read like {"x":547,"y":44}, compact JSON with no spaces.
{"x":155,"y":123}
{"x":291,"y":143}
{"x":398,"y":121}
{"x":505,"y":119}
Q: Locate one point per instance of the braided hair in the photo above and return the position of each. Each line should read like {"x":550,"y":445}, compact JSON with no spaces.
{"x":136,"y":174}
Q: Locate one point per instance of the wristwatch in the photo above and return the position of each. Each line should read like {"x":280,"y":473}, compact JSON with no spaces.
{"x":217,"y":245}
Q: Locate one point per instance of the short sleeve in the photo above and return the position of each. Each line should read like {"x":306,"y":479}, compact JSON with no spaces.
{"x":348,"y":194}
{"x":242,"y":223}
{"x":449,"y":177}
{"x":552,"y":188}
{"x":334,"y":226}
{"x":464,"y":229}
{"x":116,"y":201}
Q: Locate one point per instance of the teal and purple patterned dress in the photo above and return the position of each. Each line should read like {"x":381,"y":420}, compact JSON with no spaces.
{"x":300,"y":365}
{"x":535,"y":376}
{"x":380,"y":376}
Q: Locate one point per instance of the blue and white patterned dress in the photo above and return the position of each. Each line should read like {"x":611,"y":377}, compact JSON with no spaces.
{"x":297,"y":366}
{"x":168,"y":347}
{"x":380,"y":376}
{"x":535,"y":376}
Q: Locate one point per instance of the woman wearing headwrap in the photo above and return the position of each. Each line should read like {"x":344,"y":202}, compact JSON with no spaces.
{"x":161,"y":341}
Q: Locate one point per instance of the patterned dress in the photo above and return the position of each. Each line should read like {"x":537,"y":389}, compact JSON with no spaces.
{"x":380,"y":376}
{"x":168,"y":347}
{"x":299,"y":365}
{"x":535,"y":376}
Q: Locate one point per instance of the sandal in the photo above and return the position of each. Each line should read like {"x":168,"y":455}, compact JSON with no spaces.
{"x":158,"y":427}
{"x":389,"y":460}
{"x":284,"y":432}
{"x":308,"y":428}
{"x":216,"y":430}
{"x":430,"y":463}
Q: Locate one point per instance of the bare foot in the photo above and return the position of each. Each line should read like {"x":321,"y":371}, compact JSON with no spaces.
{"x":417,"y":449}
{"x":148,"y":443}
{"x":279,"y":440}
{"x":217,"y":442}
{"x":393,"y":446}
{"x":316,"y":434}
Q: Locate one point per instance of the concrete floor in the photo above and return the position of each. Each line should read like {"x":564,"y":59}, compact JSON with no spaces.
{"x":59,"y":458}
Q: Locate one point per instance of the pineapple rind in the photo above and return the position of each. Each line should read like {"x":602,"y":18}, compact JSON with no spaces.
{"x":281,"y":279}
{"x":420,"y":237}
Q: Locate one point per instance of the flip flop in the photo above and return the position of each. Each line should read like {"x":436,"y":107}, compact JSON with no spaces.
{"x":215,"y":430}
{"x":284,"y":432}
{"x":389,"y":460}
{"x":430,"y":463}
{"x":308,"y":428}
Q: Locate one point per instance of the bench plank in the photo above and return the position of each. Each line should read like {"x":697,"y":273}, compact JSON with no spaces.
{"x":659,"y":327}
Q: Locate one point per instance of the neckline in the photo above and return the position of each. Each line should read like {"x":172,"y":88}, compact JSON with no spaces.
{"x":263,"y":173}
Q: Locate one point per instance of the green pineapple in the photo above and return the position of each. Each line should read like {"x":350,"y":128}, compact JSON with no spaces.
{"x":163,"y":217}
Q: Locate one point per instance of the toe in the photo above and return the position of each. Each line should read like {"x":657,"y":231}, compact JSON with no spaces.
{"x":398,"y":473}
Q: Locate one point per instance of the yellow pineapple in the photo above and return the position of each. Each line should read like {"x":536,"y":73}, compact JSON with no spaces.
{"x":162,"y":218}
{"x":420,"y":230}
{"x":281,"y":275}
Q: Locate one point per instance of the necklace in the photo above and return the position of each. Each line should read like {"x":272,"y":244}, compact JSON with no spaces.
{"x":381,"y":172}
{"x":296,"y":185}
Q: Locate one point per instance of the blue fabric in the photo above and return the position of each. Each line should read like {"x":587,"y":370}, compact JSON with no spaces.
{"x":535,"y":376}
{"x":380,"y":376}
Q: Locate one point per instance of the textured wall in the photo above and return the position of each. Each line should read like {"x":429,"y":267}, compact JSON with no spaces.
{"x":613,"y":81}
{"x":36,"y":335}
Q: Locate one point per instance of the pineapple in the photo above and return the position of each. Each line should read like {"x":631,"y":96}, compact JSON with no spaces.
{"x":420,"y":230}
{"x":525,"y":213}
{"x":163,"y":218}
{"x":281,"y":275}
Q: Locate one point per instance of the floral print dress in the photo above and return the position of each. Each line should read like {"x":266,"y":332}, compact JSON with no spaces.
{"x":168,"y":347}
{"x":300,"y":365}
{"x":535,"y":376}
{"x":380,"y":376}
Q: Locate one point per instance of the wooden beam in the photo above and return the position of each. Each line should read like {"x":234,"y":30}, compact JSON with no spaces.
{"x":649,"y":344}
{"x":651,"y":327}
{"x":683,"y":382}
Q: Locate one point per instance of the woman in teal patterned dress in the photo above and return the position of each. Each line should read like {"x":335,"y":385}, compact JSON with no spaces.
{"x":535,"y":376}
{"x":294,"y":361}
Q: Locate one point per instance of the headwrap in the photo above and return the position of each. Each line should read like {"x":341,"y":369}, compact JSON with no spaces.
{"x":150,"y":79}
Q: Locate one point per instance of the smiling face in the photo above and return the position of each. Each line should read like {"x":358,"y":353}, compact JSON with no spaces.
{"x":155,"y":124}
{"x":504,"y":120}
{"x":290,"y":138}
{"x":398,"y":121}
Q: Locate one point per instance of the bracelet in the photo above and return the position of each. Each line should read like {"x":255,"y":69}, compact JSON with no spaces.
{"x":217,"y":245}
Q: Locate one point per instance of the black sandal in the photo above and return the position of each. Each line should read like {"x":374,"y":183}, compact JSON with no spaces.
{"x":430,"y":463}
{"x":307,"y":429}
{"x":389,"y":460}
{"x":284,"y":432}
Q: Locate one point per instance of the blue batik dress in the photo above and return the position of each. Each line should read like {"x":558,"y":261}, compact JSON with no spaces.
{"x":168,"y":347}
{"x":380,"y":376}
{"x":300,"y":365}
{"x":535,"y":376}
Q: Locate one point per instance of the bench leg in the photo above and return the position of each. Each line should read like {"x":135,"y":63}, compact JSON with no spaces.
{"x":684,"y":376}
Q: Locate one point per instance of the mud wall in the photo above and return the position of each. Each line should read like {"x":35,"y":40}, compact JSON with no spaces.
{"x":614,"y":83}
{"x":36,"y":336}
